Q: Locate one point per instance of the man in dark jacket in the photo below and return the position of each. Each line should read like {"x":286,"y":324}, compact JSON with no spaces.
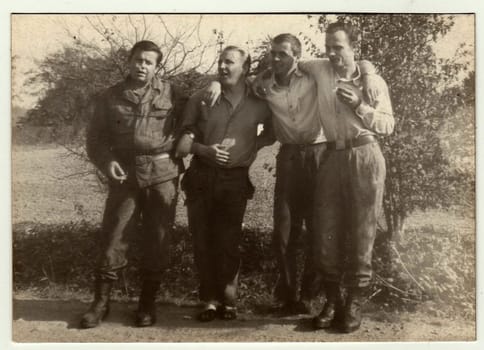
{"x":130,"y":139}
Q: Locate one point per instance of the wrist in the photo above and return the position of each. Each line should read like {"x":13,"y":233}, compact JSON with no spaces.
{"x":358,"y":104}
{"x":198,"y":149}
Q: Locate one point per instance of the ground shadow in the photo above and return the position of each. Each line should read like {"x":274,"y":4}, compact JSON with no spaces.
{"x":168,"y":315}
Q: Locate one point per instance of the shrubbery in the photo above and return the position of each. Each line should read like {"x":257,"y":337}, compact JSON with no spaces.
{"x":428,"y":265}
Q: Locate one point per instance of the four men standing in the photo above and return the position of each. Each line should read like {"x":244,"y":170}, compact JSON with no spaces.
{"x":330,"y":174}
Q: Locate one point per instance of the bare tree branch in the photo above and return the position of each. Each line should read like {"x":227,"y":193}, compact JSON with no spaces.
{"x":134,"y":27}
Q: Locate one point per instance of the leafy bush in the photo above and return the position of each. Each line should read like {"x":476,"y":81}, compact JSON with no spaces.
{"x":428,"y":265}
{"x":436,"y":267}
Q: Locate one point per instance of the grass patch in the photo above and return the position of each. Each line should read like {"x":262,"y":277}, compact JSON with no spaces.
{"x":432,"y":267}
{"x":430,"y":270}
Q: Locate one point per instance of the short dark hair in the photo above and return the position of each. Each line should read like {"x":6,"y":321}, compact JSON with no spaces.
{"x":348,"y":28}
{"x":291,"y":39}
{"x":146,"y":45}
{"x":245,"y":55}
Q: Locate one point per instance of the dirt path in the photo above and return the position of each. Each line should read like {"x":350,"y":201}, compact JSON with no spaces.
{"x":57,"y":321}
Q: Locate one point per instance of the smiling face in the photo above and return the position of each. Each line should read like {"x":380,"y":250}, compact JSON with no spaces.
{"x":283,"y":58}
{"x":142,"y":66}
{"x":231,"y":67}
{"x":339,"y":49}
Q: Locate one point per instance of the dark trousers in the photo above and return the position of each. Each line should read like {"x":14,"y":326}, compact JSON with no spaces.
{"x":126,"y":204}
{"x":349,"y":195}
{"x":296,"y":168}
{"x":216,"y":202}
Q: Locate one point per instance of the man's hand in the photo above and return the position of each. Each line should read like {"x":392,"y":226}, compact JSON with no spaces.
{"x":116,"y":172}
{"x":371,"y":88}
{"x":258,"y":87}
{"x":216,"y":153}
{"x":348,"y":97}
{"x":212,"y":93}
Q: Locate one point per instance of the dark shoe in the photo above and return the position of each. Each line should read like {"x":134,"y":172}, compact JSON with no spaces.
{"x":146,"y":314}
{"x":208,"y":313}
{"x":99,"y":308}
{"x":332,"y":313}
{"x":226,"y":312}
{"x":352,"y":310}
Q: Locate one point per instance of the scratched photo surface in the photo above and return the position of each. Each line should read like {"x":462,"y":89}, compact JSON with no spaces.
{"x":423,"y":282}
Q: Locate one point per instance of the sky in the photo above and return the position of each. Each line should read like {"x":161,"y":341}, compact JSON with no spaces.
{"x":35,"y":36}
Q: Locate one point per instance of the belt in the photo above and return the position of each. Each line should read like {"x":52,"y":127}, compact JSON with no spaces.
{"x":302,"y":145}
{"x":348,"y":144}
{"x":200,"y":163}
{"x":153,"y":152}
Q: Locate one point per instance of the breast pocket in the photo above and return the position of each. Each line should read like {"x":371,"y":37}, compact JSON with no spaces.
{"x":161,"y":108}
{"x":122,"y":120}
{"x":160,"y":118}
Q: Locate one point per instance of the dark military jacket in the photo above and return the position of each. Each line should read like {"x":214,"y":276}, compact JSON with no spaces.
{"x":137,"y":131}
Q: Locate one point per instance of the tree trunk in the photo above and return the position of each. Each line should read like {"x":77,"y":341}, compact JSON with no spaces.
{"x":395,"y":221}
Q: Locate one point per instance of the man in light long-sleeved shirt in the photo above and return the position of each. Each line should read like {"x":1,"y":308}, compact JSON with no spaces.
{"x":350,"y":180}
{"x":297,"y":118}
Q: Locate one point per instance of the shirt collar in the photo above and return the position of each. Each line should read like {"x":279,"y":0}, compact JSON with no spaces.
{"x":246,"y":92}
{"x":295,"y":72}
{"x":129,"y":95}
{"x":356,"y":79}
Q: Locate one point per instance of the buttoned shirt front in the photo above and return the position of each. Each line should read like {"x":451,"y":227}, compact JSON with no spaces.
{"x":340,"y":121}
{"x":296,"y":117}
{"x":235,"y":128}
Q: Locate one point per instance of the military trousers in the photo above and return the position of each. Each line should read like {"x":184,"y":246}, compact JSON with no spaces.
{"x":216,"y":203}
{"x":126,"y":204}
{"x":296,"y":169}
{"x":349,"y":193}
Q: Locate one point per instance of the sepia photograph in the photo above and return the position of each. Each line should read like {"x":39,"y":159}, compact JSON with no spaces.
{"x":249,"y":177}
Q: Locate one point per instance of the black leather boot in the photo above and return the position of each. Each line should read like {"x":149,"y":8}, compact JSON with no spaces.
{"x":332,"y":313}
{"x":352,"y":311}
{"x":146,"y":314}
{"x":99,"y":308}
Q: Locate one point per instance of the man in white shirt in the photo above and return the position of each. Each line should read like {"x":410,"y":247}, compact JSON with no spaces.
{"x":350,"y":180}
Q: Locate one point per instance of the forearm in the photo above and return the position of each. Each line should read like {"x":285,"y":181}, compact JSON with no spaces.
{"x":377,"y":118}
{"x":198,"y":149}
{"x":382,"y":123}
{"x":97,"y":144}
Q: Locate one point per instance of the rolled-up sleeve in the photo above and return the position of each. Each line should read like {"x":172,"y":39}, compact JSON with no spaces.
{"x":378,"y":117}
